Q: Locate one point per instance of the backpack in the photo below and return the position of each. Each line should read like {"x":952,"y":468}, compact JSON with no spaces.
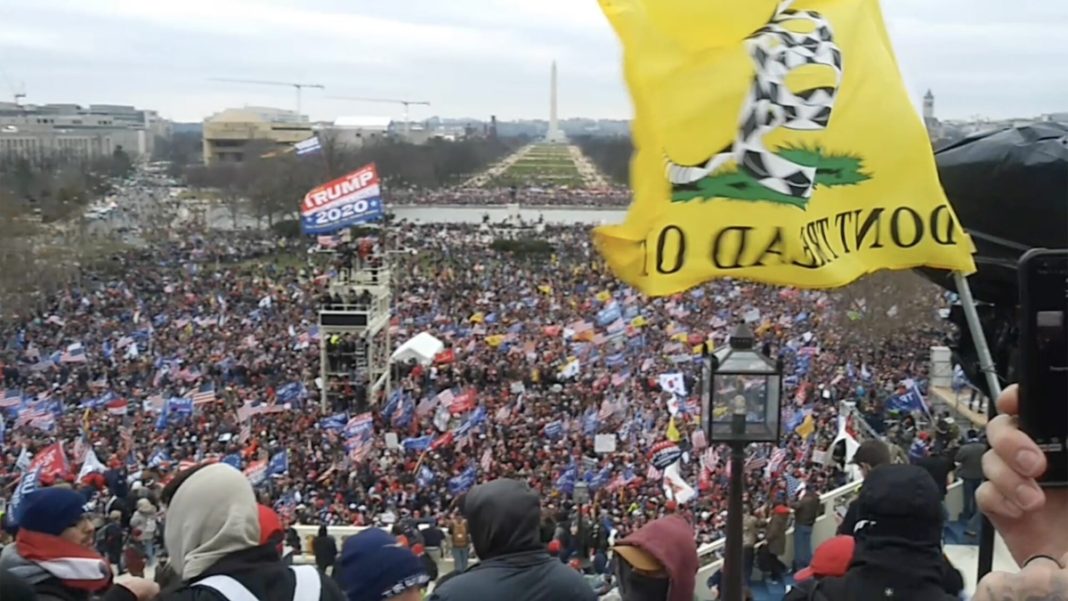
{"x":306,"y":588}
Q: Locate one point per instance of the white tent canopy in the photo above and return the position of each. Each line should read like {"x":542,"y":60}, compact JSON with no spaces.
{"x":423,"y":348}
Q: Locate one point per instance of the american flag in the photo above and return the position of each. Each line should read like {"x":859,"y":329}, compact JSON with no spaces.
{"x":12,"y":398}
{"x":29,"y":415}
{"x":792,"y":485}
{"x":360,"y":449}
{"x":777,"y":459}
{"x":710,"y":459}
{"x":45,"y":422}
{"x":652,"y":473}
{"x":487,"y":459}
{"x":755,"y":463}
{"x":204,"y":394}
{"x":75,"y":353}
{"x":80,"y":449}
{"x":117,"y":407}
{"x":608,"y":409}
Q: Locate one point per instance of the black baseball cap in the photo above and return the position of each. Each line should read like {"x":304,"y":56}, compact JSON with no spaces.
{"x":873,"y":452}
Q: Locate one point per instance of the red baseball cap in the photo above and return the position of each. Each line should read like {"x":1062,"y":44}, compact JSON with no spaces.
{"x":832,"y":558}
{"x":554,"y":547}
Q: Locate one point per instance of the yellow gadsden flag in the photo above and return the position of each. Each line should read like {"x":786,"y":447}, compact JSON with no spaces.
{"x":774,"y":142}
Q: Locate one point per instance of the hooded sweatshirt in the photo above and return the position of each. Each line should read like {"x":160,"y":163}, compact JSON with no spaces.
{"x":212,"y":515}
{"x":671,"y":541}
{"x":504,"y":517}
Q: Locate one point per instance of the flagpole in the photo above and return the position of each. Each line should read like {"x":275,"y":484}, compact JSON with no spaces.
{"x":420,"y":462}
{"x":986,"y":364}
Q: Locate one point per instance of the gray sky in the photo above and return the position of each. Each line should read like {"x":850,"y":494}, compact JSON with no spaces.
{"x":470,"y":58}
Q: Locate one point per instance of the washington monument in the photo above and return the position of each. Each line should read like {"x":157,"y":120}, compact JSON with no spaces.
{"x":554,"y":135}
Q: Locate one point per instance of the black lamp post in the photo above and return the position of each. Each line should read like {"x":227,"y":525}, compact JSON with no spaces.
{"x":743,"y":390}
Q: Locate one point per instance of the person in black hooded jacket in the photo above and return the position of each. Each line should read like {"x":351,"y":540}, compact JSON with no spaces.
{"x":504,"y":519}
{"x":898,"y":553}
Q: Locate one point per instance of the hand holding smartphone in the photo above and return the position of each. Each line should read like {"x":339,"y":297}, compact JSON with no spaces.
{"x":1043,"y":367}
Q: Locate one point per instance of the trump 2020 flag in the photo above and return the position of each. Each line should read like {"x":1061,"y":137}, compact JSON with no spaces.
{"x":774,"y":142}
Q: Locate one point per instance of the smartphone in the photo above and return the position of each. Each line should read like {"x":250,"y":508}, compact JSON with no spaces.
{"x":1043,"y":368}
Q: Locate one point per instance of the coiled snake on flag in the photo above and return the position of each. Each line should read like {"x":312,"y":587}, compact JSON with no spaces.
{"x":776,"y":51}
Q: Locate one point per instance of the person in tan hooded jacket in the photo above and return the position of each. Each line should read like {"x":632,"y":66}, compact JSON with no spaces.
{"x":212,"y":535}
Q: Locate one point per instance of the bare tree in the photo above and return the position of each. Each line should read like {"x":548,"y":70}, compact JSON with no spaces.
{"x":873,"y":309}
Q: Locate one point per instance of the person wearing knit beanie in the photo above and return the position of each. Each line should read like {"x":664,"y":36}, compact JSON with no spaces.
{"x":54,"y":554}
{"x":58,"y":512}
{"x":373,"y":567}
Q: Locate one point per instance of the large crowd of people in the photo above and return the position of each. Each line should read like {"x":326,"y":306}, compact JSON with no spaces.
{"x":207,"y":351}
{"x":616,"y":197}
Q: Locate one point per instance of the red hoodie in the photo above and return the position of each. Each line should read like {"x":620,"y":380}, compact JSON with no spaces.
{"x":671,"y":541}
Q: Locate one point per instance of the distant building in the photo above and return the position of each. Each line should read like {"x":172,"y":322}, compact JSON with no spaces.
{"x":357,"y":132}
{"x":934,"y":127}
{"x":230,"y":134}
{"x":44,"y":131}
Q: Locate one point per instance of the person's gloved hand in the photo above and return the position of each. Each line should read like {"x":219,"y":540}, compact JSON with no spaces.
{"x":1032,"y":521}
{"x":1041,"y":578}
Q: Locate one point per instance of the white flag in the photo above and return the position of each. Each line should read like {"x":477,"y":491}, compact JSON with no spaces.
{"x":91,"y":465}
{"x":673,"y":383}
{"x":675,"y":488}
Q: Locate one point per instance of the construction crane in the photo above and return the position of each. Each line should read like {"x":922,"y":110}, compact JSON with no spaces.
{"x":289,"y":84}
{"x":406,"y":103}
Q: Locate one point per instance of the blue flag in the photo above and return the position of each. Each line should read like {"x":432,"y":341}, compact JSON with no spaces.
{"x":391,"y":404}
{"x":27,"y":485}
{"x":159,"y":457}
{"x":590,"y":423}
{"x":909,"y":402}
{"x":565,"y":483}
{"x":460,"y":484}
{"x":425,"y":477}
{"x":291,"y":393}
{"x":334,"y":422}
{"x":233,"y":460}
{"x":554,"y":429}
{"x":279,"y":464}
{"x":179,"y":406}
{"x":417,"y":444}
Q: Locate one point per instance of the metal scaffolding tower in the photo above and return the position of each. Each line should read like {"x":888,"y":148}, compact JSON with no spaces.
{"x":354,"y":342}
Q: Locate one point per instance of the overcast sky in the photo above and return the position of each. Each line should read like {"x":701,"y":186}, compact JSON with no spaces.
{"x":470,"y":58}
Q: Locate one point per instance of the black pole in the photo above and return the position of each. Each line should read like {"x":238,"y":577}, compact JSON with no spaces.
{"x":733,"y":562}
{"x":582,"y":536}
{"x":986,"y":529}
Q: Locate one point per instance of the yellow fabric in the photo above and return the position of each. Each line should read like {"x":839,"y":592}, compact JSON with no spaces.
{"x":603,"y":296}
{"x":673,"y":431}
{"x":692,"y":69}
{"x":495,"y":340}
{"x":638,"y":321}
{"x":477,"y":317}
{"x":806,"y":427}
